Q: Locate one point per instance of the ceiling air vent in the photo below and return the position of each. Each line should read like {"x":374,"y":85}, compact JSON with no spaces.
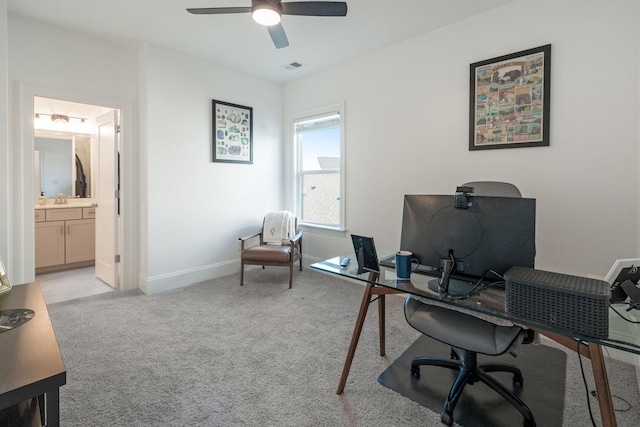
{"x":292,"y":66}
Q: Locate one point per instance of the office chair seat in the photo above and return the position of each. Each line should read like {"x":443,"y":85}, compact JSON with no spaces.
{"x":468,"y":336}
{"x":471,"y":332}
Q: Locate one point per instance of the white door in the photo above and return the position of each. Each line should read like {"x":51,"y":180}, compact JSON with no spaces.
{"x":107,"y":207}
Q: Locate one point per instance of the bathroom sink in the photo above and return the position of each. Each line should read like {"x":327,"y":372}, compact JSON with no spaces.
{"x":71,"y":203}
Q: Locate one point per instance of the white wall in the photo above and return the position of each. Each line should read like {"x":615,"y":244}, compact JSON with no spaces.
{"x":4,"y":137}
{"x":182,"y":214}
{"x":406,"y":110}
{"x":197,"y":209}
{"x":407,"y":128}
{"x":56,"y":63}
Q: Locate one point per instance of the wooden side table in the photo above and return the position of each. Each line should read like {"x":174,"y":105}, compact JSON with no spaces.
{"x":31,"y":365}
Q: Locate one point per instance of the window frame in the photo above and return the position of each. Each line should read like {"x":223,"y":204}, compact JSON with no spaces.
{"x":297,"y":197}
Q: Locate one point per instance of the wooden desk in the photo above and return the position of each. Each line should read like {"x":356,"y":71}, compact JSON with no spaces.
{"x":31,"y":365}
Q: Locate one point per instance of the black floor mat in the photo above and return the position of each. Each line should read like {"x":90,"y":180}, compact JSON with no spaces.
{"x":543,"y":369}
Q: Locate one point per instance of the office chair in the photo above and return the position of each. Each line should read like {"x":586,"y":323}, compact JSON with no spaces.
{"x":257,"y":248}
{"x":469,"y":335}
{"x":493,"y":189}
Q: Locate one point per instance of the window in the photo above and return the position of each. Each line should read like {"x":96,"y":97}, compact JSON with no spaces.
{"x":319,"y":165}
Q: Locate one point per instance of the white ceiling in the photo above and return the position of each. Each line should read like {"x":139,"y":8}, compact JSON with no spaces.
{"x":237,"y":42}
{"x":72,"y":109}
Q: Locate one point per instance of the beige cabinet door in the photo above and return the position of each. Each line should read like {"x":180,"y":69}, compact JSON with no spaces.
{"x":81,"y":240}
{"x":49,"y":243}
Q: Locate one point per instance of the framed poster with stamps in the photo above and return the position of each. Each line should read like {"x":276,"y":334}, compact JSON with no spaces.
{"x":509,"y":100}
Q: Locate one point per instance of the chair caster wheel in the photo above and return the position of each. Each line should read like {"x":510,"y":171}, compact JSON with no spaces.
{"x":415,"y":371}
{"x":447,"y":418}
{"x":518,"y":379}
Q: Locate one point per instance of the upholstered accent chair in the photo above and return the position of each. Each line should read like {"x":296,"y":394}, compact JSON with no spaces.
{"x":278,"y":243}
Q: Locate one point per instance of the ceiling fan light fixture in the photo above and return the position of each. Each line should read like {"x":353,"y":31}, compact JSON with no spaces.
{"x":266,"y":14}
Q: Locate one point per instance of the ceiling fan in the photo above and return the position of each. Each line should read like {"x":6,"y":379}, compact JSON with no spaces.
{"x":268,"y":13}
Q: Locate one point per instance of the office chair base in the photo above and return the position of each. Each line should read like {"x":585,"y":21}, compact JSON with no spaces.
{"x":469,"y":373}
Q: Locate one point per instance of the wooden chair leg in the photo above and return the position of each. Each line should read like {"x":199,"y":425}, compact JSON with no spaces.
{"x":290,"y":274}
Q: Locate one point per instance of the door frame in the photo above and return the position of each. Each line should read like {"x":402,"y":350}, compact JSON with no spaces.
{"x":21,"y":224}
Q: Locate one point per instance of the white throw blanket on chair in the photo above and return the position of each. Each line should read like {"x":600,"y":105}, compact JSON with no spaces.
{"x":278,"y":227}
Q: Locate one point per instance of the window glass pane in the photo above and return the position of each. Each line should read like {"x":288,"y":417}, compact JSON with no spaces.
{"x":318,"y":141}
{"x":318,"y":148}
{"x":321,"y":197}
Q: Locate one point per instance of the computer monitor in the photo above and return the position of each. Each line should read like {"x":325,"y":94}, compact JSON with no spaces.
{"x":490,"y":234}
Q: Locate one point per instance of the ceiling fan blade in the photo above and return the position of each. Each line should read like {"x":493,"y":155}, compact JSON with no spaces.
{"x":278,"y":36}
{"x":315,"y":8}
{"x":218,"y":10}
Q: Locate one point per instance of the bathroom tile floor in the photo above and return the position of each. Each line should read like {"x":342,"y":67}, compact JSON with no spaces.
{"x":71,"y":284}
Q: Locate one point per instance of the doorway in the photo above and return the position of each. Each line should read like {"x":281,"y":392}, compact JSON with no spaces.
{"x":86,"y":137}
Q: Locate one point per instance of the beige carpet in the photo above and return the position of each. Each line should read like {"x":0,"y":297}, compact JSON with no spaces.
{"x":217,"y":354}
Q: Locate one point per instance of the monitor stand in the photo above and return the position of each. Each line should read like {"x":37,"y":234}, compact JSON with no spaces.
{"x":457,"y":287}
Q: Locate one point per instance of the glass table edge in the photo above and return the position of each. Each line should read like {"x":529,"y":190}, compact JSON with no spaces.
{"x":332,"y":266}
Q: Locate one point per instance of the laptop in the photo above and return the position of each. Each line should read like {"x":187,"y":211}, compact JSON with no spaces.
{"x":365,"y":250}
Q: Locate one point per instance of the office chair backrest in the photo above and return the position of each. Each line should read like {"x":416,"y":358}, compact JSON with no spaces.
{"x":493,"y":189}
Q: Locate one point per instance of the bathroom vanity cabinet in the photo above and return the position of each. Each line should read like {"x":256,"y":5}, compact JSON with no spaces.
{"x":65,"y":237}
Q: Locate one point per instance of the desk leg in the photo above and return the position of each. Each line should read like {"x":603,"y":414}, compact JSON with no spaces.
{"x":602,"y":385}
{"x":52,"y":402}
{"x":43,"y":417}
{"x":594,"y":353}
{"x":364,"y":305}
{"x":381,"y":328}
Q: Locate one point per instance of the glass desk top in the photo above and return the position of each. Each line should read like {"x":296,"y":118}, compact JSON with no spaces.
{"x":623,"y":335}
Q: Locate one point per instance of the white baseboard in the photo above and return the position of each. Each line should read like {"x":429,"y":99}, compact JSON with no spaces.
{"x":180,"y":279}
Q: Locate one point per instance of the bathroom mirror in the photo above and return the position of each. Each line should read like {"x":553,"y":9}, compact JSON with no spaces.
{"x":62,"y":164}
